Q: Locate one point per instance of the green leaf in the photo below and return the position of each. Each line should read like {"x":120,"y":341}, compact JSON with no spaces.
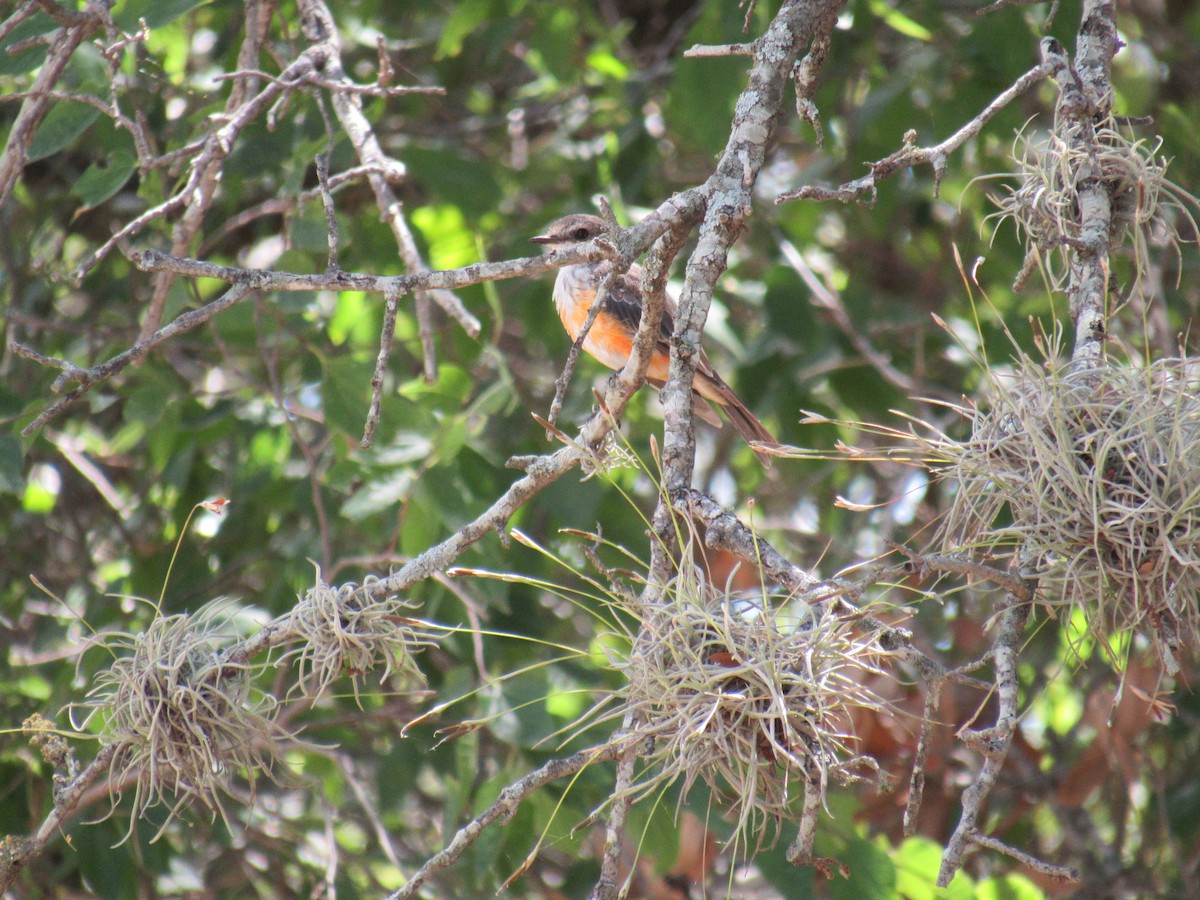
{"x":465,"y":18}
{"x":34,"y":52}
{"x":452,"y":387}
{"x":607,"y":64}
{"x":872,"y":873}
{"x":1008,"y":887}
{"x":443,"y":173}
{"x":962,"y":887}
{"x":654,"y":830}
{"x":521,"y":718}
{"x":897,"y":21}
{"x":144,"y":404}
{"x":309,"y":232}
{"x":451,"y":242}
{"x":378,"y":494}
{"x":89,"y":72}
{"x":41,"y":490}
{"x":355,"y":319}
{"x":419,"y":529}
{"x":34,"y":687}
{"x":917,"y":862}
{"x":12,"y":465}
{"x":103,"y":179}
{"x":796,"y":882}
{"x":61,"y":127}
{"x":107,"y":874}
{"x":347,"y":392}
{"x":156,"y":12}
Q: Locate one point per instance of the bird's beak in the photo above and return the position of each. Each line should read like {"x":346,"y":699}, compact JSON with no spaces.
{"x":542,"y":239}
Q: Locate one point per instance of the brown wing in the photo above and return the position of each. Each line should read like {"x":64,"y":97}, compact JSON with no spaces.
{"x":624,"y":303}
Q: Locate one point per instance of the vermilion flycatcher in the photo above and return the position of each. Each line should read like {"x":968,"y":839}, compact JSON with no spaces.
{"x":610,"y":339}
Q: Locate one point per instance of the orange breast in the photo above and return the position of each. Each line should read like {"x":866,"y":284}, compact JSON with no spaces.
{"x":608,"y":340}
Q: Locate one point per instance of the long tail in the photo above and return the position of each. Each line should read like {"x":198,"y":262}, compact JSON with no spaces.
{"x":749,"y":427}
{"x":740,"y":417}
{"x":709,"y":390}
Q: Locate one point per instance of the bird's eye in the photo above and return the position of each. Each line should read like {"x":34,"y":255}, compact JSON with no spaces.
{"x":581,"y":234}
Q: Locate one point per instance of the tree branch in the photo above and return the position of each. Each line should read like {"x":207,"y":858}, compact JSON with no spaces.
{"x":63,"y":44}
{"x":502,"y":810}
{"x":911,"y":155}
{"x":347,"y":105}
{"x":67,"y":800}
{"x":607,"y":887}
{"x":992,"y":743}
{"x":1085,"y":98}
{"x":729,"y":192}
{"x":248,"y":281}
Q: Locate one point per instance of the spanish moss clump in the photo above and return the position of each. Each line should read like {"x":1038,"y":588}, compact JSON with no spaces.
{"x":751,"y":702}
{"x":1044,"y":206}
{"x":182,"y":716}
{"x":351,"y":630}
{"x":1097,"y":474}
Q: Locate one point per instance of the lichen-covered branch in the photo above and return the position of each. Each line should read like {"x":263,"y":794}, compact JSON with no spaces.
{"x":15,"y":853}
{"x":991,"y":743}
{"x":607,"y":886}
{"x":729,"y":194}
{"x":1085,"y":97}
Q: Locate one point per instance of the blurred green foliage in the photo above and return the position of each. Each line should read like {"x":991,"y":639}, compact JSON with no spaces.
{"x":546,"y":107}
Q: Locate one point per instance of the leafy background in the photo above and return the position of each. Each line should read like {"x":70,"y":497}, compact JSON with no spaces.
{"x":546,"y":107}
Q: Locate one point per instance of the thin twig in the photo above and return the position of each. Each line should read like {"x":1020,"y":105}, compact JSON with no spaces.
{"x":96,"y":374}
{"x":242,"y":107}
{"x":387,"y":333}
{"x":331,"y":228}
{"x":281,"y":206}
{"x":700,"y":51}
{"x":311,"y":454}
{"x":345,"y":86}
{"x":563,"y":381}
{"x":723,"y":530}
{"x":916,"y":784}
{"x":911,"y":155}
{"x":998,"y":5}
{"x":246,"y":281}
{"x":966,"y":565}
{"x":827,"y":298}
{"x":9,"y":25}
{"x":607,"y":887}
{"x":69,"y":18}
{"x":1061,"y":874}
{"x":503,"y":809}
{"x":799,"y":852}
{"x":992,"y":743}
{"x":323,"y":35}
{"x":805,"y":78}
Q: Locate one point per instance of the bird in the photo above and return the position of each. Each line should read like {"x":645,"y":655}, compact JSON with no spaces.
{"x":610,"y":339}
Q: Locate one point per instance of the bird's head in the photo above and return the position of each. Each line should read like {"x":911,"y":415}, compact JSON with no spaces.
{"x":570,"y":231}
